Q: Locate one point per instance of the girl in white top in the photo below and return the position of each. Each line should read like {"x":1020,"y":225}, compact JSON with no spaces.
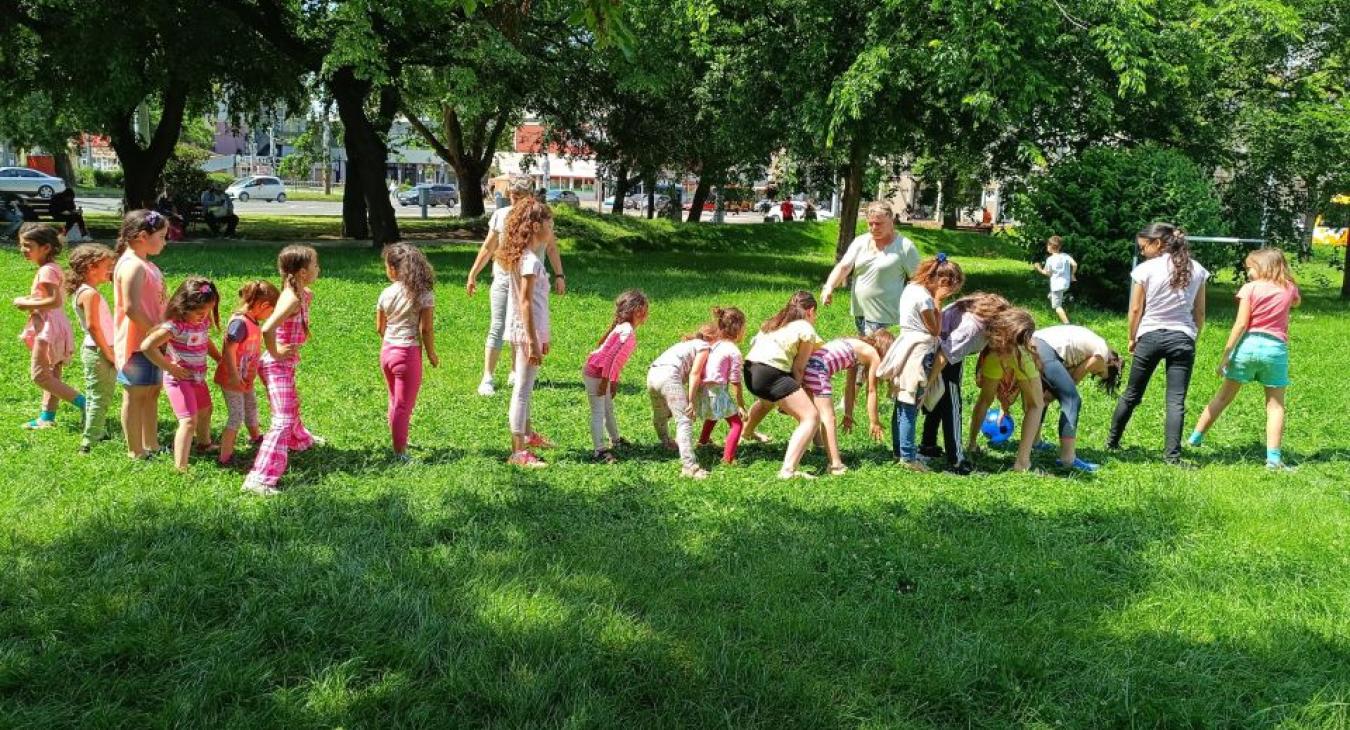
{"x":528,"y":229}
{"x":405,"y":319}
{"x":670,"y":380}
{"x":774,"y":370}
{"x":91,"y":266}
{"x":520,"y":189}
{"x":1167,"y":312}
{"x":937,"y":279}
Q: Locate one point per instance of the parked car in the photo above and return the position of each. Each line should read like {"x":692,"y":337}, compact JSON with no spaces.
{"x":630,"y":202}
{"x":775,"y":215}
{"x":262,"y":187}
{"x":563,"y":197}
{"x":764,"y":205}
{"x":27,"y":181}
{"x":438,"y":194}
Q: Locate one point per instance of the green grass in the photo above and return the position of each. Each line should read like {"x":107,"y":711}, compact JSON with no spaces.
{"x":459,"y":592}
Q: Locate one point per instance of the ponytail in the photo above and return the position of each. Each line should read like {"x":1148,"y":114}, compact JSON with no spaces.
{"x":1175,"y":245}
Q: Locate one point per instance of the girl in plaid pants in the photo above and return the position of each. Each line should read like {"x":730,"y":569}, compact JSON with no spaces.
{"x":284,"y":333}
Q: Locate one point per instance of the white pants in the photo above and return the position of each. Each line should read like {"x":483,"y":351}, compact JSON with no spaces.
{"x":523,"y":391}
{"x":669,"y":398}
{"x":602,"y":413}
{"x":501,"y":285}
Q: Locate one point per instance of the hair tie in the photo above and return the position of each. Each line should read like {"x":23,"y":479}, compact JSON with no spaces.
{"x":152,"y":219}
{"x":941,"y":257}
{"x":204,"y":288}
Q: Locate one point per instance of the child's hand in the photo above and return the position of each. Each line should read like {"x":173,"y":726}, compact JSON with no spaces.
{"x":234,"y":383}
{"x":1131,"y":345}
{"x":544,"y":350}
{"x":602,"y":388}
{"x":846,"y":425}
{"x":689,"y":409}
{"x":179,"y":372}
{"x":875,"y":429}
{"x":19,"y":302}
{"x":1222,"y":370}
{"x":532,"y":347}
{"x":434,"y":359}
{"x":285,"y":351}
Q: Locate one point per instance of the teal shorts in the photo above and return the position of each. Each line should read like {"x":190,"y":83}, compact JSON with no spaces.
{"x":1260,"y":358}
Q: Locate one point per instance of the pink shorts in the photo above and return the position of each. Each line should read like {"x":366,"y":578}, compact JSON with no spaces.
{"x":186,"y":397}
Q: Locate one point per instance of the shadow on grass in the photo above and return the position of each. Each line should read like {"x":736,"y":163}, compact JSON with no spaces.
{"x":520,"y":603}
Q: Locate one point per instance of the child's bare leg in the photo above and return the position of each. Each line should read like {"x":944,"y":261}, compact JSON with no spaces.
{"x":1227,"y":392}
{"x":1063,"y":315}
{"x":182,"y":442}
{"x":829,"y":430}
{"x":1274,"y":418}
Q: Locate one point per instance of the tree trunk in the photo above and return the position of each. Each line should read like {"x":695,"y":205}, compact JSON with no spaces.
{"x":354,"y":224}
{"x":650,"y":182}
{"x":470,"y":188}
{"x":64,"y":169}
{"x":700,"y":198}
{"x":620,"y":189}
{"x":142,"y":166}
{"x":848,"y":207}
{"x":1345,"y":278}
{"x":949,"y":203}
{"x":366,"y":155}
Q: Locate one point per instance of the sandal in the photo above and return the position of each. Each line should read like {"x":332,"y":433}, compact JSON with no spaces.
{"x":694,"y":472}
{"x":838,"y":471}
{"x":604,"y":456}
{"x":795,"y":474}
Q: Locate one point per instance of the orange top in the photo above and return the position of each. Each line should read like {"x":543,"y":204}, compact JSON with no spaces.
{"x":127,"y":335}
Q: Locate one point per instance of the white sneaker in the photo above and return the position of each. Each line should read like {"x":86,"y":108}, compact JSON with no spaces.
{"x":259,"y":488}
{"x":511,"y":380}
{"x":486,"y":388}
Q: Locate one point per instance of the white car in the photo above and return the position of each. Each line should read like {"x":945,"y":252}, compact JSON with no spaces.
{"x":27,"y":181}
{"x":775,"y":214}
{"x":261,"y":187}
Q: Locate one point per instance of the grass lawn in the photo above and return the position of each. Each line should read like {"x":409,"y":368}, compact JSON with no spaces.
{"x":458,"y":591}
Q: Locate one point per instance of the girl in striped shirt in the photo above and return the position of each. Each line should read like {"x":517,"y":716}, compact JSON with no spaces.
{"x":179,"y":346}
{"x":835,"y":356}
{"x":601,"y":372}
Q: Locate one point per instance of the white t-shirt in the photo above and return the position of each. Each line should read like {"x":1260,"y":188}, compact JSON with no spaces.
{"x":1060,"y":267}
{"x":1073,"y":343}
{"x":680,"y":357}
{"x":914,"y":301}
{"x":497,"y":224}
{"x":878,"y":276}
{"x":402,"y":319}
{"x":1166,"y":308}
{"x":528,"y":265}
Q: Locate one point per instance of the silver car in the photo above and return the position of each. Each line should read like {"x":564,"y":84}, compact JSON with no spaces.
{"x":27,"y":181}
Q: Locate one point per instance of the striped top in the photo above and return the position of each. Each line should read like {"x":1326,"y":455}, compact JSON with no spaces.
{"x":836,"y":355}
{"x":607,"y":360}
{"x":187,"y":346}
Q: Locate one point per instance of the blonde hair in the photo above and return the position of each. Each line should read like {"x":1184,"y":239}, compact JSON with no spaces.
{"x":1270,"y":264}
{"x":1055,"y":243}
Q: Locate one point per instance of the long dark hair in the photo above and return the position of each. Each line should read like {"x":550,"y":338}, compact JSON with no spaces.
{"x":1174,"y":243}
{"x":1114,"y":365}
{"x":1010,"y":333}
{"x":41,"y":234}
{"x":523,"y":223}
{"x":626,"y":308}
{"x":798,"y":305}
{"x":194,"y":293}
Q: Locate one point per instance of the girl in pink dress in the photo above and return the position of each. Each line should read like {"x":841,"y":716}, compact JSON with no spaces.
{"x":47,"y":332}
{"x":713,"y":400}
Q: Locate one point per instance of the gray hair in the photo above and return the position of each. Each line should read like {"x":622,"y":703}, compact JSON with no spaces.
{"x":878,"y":208}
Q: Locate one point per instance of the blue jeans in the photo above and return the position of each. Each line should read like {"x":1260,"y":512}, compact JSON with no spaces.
{"x":867,"y":328}
{"x":904,"y":424}
{"x":1061,"y":387}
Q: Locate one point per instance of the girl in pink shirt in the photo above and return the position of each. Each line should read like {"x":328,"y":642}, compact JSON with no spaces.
{"x":179,"y":346}
{"x":47,"y":332}
{"x":713,"y":401}
{"x":1258,"y":347}
{"x":138,"y":305}
{"x":603,"y":365}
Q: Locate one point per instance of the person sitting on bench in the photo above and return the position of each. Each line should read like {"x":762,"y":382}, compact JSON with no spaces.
{"x":218,"y":209}
{"x":63,"y":210}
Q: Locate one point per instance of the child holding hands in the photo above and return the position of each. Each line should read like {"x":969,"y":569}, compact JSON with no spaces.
{"x":179,"y":347}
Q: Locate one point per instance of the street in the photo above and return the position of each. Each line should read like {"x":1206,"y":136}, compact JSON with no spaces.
{"x":334,"y":208}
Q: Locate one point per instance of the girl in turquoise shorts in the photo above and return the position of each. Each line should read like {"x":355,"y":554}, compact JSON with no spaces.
{"x":1258,"y":347}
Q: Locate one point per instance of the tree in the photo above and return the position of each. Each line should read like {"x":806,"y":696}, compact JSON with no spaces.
{"x":173,"y":57}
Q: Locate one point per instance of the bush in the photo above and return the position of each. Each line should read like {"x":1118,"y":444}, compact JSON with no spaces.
{"x":110,"y":178}
{"x":183,"y":177}
{"x":1098,"y":200}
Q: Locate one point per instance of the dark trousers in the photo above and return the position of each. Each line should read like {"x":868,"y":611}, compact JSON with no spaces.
{"x":1178,"y":350}
{"x":213,"y":222}
{"x":949,"y":415}
{"x":1061,"y":386}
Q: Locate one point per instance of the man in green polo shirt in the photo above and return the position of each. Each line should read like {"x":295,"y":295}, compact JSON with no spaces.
{"x":881,"y":261}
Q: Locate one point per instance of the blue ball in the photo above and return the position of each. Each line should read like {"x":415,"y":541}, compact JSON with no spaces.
{"x":998,"y":426}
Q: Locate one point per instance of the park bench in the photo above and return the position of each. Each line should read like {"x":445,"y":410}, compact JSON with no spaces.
{"x":40,"y":208}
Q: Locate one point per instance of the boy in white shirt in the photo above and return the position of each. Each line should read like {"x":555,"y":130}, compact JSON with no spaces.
{"x":1062,"y":270}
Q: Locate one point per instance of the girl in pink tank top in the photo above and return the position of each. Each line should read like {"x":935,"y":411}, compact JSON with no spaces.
{"x":284,"y":332}
{"x":138,"y":307}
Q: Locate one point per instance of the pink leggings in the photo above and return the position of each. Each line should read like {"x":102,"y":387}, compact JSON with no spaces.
{"x":402,"y":365}
{"x":734,"y":426}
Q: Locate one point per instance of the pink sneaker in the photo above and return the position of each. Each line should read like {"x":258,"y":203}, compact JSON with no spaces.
{"x":538,"y":441}
{"x":526,"y":460}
